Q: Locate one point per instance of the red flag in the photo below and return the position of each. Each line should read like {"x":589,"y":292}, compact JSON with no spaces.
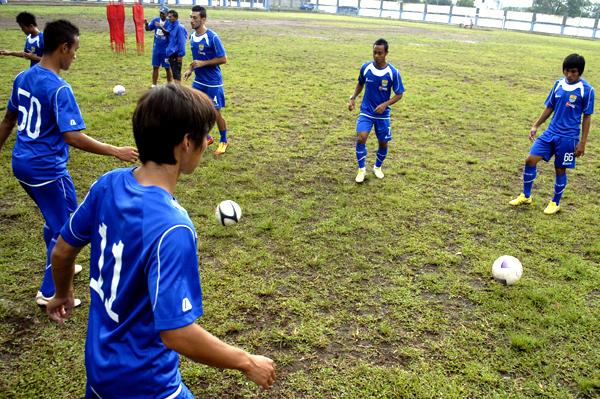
{"x":138,"y":19}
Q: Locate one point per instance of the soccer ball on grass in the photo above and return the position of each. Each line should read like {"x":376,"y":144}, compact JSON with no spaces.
{"x":507,"y":270}
{"x":119,"y":90}
{"x":228,"y":213}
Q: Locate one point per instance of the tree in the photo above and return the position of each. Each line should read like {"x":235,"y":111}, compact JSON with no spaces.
{"x":572,"y":8}
{"x":440,"y":2}
{"x":411,"y":1}
{"x":465,"y":3}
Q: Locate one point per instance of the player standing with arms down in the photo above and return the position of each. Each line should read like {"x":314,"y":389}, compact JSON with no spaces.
{"x":49,"y":121}
{"x":570,"y":98}
{"x":378,"y":77}
{"x":177,"y":35}
{"x":161,"y":41}
{"x":145,"y":286}
{"x":34,"y":44}
{"x":208,"y":53}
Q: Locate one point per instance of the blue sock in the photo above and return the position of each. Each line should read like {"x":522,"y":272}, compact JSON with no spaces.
{"x":361,"y":154}
{"x":208,"y":138}
{"x":559,"y":187}
{"x":48,"y":284}
{"x":223,"y":135}
{"x":381,"y":154}
{"x":529,"y":175}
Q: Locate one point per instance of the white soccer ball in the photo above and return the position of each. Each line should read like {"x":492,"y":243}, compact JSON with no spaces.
{"x":228,"y":213}
{"x":507,"y":270}
{"x":119,"y":90}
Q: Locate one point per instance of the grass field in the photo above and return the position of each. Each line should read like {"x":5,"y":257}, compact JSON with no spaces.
{"x":379,"y":290}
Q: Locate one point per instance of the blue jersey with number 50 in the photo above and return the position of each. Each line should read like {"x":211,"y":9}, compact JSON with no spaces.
{"x":144,"y":278}
{"x":47,"y":108}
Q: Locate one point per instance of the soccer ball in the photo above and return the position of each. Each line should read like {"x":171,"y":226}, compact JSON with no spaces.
{"x":119,"y":90}
{"x":228,"y":213}
{"x":507,"y":270}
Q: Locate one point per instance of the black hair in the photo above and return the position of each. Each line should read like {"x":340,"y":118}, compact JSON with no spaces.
{"x":201,"y":10}
{"x":379,"y":42}
{"x":574,"y":61}
{"x":57,"y":33}
{"x":26,"y":18}
{"x":175,"y":13}
{"x":165,"y":115}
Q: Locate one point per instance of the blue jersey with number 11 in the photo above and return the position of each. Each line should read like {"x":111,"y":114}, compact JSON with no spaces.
{"x":378,"y":86}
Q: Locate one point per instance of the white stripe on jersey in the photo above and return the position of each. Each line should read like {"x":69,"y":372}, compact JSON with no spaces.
{"x":56,"y":101}
{"x":379,"y":72}
{"x":34,"y":40}
{"x":197,"y":38}
{"x":567,"y":87}
{"x":204,"y":84}
{"x":174,"y":394}
{"x":10,"y":99}
{"x":71,"y":218}
{"x":589,"y":99}
{"x":38,"y":185}
{"x":92,"y":388}
{"x":373,"y":117}
{"x":158,"y":256}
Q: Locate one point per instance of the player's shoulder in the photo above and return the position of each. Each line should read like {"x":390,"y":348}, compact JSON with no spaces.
{"x":586,"y":85}
{"x":211,"y":33}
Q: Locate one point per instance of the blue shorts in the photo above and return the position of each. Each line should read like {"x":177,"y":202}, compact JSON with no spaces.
{"x":185,"y":393}
{"x":562,"y":148}
{"x":160,"y":60}
{"x":215,"y":93}
{"x":383,"y":128}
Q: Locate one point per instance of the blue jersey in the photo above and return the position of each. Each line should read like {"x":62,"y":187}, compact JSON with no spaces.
{"x":378,"y":85}
{"x":161,"y":41}
{"x":569,"y":102}
{"x":144,"y":279}
{"x":47,"y":109}
{"x":177,"y":39}
{"x":35,"y":45}
{"x":206,"y":47}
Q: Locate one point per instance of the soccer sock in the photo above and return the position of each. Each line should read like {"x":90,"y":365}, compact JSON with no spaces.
{"x":209,"y":137}
{"x":223,"y":135}
{"x":381,"y":154}
{"x":361,"y":154}
{"x":559,"y":187}
{"x":529,"y":175}
{"x":47,"y":288}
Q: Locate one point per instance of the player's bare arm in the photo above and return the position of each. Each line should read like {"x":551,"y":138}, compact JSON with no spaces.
{"x":30,"y":56}
{"x":82,"y":141}
{"x":585,"y":129}
{"x":13,"y":53}
{"x":382,"y":107}
{"x":213,"y":62}
{"x":7,"y":125}
{"x":545,"y":115}
{"x":146,"y":24}
{"x":199,"y":345}
{"x":357,"y":91}
{"x":63,"y":269}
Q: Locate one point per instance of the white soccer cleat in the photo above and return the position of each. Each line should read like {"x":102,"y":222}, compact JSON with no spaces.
{"x":378,"y":172}
{"x":41,"y":300}
{"x":360,"y":177}
{"x":78,"y":269}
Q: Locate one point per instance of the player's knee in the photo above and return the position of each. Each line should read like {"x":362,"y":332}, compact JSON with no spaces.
{"x":531,"y":160}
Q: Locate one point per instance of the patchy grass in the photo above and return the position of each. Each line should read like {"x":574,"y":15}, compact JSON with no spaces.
{"x":378,"y":290}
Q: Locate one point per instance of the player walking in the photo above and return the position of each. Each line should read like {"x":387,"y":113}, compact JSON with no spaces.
{"x":378,"y":77}
{"x":161,"y":41}
{"x":34,"y":44}
{"x":208,"y":54}
{"x":570,"y":98}
{"x":49,"y":121}
{"x":176,"y":47}
{"x":145,"y":286}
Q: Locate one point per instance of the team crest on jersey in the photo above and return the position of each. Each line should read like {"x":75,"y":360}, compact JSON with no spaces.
{"x":33,"y":49}
{"x":384,"y":83}
{"x":572,"y":99}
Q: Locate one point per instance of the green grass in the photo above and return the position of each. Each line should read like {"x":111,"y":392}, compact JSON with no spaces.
{"x":382,"y":290}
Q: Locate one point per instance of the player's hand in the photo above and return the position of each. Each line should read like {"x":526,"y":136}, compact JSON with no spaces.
{"x":27,"y":54}
{"x":59,"y":309}
{"x":186,"y":75}
{"x":261,"y":371}
{"x":579,"y":150}
{"x":197,"y":64}
{"x":146,"y":21}
{"x":4,"y":52}
{"x":380,"y":108}
{"x":532,"y":133}
{"x":351,"y":105}
{"x":128,"y":154}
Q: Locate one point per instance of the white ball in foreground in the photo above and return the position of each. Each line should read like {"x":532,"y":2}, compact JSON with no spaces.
{"x":507,"y":270}
{"x":228,"y":213}
{"x":119,"y":90}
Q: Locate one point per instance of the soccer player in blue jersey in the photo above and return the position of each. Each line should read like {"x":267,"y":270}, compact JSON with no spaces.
{"x":159,"y":51}
{"x":208,"y":53}
{"x":49,"y":121}
{"x":379,"y":78}
{"x":34,"y":44}
{"x":177,"y":35}
{"x":145,"y":285}
{"x":570,"y":98}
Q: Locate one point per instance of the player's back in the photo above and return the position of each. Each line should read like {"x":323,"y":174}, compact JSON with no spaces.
{"x":46,"y":107}
{"x":140,"y":239}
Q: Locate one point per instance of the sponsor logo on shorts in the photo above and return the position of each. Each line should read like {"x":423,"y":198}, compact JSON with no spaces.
{"x":73,"y":122}
{"x":186,"y":305}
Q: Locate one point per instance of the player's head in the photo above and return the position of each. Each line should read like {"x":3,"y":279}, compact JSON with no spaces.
{"x":173,"y":16}
{"x":197,"y":16}
{"x":164,"y":10}
{"x":167,"y":114}
{"x":27,"y":22}
{"x":61,"y":37}
{"x":572,"y":62}
{"x":380,"y":51}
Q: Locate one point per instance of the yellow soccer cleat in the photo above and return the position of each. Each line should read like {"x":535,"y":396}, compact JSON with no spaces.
{"x":521,"y":199}
{"x":552,"y":208}
{"x":222,"y":147}
{"x":360,"y":177}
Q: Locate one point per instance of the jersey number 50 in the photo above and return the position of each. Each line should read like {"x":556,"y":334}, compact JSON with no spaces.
{"x":117,"y":251}
{"x":34,"y":105}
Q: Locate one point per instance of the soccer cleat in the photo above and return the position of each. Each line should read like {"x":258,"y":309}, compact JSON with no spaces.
{"x":78,"y":269}
{"x":222,"y":147}
{"x":209,"y":140}
{"x":378,"y":172}
{"x":521,"y":199}
{"x":41,"y":300}
{"x":552,"y":208}
{"x":360,"y":177}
